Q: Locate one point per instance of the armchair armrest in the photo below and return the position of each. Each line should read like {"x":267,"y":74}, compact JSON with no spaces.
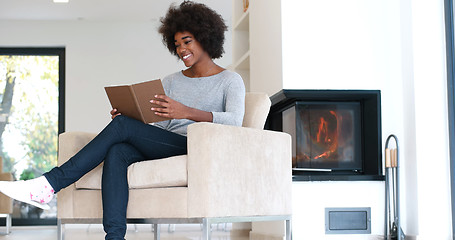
{"x":70,"y":143}
{"x":237,"y":171}
{"x":6,"y":203}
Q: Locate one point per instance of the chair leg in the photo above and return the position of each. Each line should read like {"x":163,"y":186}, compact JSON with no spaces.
{"x":8,"y":223}
{"x":288,"y":230}
{"x":60,"y":230}
{"x":206,"y":229}
{"x":171,"y":228}
{"x":156,"y":231}
{"x":223,"y":227}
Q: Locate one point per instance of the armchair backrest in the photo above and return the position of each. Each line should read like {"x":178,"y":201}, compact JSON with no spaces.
{"x":257,"y":106}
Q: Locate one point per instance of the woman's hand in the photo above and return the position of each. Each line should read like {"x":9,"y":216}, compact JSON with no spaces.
{"x":169,"y":108}
{"x":173,"y":109}
{"x":114,"y":113}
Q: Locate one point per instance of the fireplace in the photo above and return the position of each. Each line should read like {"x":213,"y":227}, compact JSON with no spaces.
{"x":326,"y":135}
{"x":336,"y":134}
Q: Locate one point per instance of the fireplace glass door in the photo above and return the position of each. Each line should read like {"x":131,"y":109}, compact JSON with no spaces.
{"x":328,"y":135}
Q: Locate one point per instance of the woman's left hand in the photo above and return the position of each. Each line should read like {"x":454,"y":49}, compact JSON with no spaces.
{"x":169,"y":107}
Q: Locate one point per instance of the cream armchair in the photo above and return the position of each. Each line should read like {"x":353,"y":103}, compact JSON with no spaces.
{"x":230,"y":174}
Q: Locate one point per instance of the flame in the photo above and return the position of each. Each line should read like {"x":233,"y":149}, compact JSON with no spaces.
{"x":323,"y":129}
{"x":330,"y":139}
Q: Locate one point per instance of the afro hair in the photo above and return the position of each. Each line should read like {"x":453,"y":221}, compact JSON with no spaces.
{"x":206,"y":25}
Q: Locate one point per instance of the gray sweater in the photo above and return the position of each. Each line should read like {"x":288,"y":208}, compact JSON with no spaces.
{"x":222,"y":94}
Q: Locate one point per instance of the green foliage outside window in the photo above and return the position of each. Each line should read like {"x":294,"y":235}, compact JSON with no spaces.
{"x":28,"y":113}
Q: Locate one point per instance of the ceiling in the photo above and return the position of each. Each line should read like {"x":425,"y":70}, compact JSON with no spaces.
{"x":97,"y":10}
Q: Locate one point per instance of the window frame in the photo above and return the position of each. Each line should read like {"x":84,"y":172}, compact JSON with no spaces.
{"x":450,"y":60}
{"x":43,"y":51}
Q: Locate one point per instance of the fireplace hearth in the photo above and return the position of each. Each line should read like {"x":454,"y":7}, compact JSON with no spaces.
{"x":336,"y":134}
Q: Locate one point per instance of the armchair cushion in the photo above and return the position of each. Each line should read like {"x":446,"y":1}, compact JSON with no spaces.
{"x":257,"y":106}
{"x":166,"y":172}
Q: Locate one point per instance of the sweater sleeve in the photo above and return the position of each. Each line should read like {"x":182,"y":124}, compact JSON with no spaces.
{"x":234,"y":104}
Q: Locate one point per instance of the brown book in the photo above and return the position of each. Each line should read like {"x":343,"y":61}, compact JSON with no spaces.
{"x":134,"y":100}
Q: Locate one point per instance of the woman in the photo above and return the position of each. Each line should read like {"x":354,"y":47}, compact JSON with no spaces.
{"x":203,"y":92}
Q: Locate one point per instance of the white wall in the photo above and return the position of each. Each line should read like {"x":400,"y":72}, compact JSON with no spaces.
{"x":398,"y":48}
{"x":102,"y":53}
{"x":350,"y":44}
{"x":431,"y":127}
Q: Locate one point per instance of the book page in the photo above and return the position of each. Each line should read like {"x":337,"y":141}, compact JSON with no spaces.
{"x":145,"y":92}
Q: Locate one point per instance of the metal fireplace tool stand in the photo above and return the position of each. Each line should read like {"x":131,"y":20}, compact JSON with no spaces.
{"x":392,"y":225}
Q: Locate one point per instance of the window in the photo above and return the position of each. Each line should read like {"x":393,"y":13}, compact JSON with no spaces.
{"x":31,"y":117}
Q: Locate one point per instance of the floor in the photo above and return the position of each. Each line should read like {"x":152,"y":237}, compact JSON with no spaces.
{"x":134,"y":232}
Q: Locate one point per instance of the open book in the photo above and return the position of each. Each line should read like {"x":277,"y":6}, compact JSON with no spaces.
{"x":134,"y":100}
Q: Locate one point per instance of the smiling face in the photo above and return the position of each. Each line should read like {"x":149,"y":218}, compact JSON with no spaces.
{"x":189,"y":49}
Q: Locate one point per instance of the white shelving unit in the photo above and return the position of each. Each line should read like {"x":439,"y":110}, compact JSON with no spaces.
{"x":257,"y":45}
{"x":257,"y":57}
{"x":241,"y":42}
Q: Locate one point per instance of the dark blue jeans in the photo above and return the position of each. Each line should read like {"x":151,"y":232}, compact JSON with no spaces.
{"x":123,"y":142}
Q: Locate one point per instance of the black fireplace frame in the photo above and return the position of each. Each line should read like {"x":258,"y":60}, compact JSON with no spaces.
{"x":371,"y":133}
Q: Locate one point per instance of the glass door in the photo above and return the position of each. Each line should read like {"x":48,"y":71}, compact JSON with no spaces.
{"x":31,"y":117}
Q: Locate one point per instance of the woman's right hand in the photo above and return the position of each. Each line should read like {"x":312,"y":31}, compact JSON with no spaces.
{"x":114,"y":113}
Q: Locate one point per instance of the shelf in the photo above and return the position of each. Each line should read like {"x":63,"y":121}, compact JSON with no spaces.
{"x":244,"y":62}
{"x":241,"y":42}
{"x":243,"y":24}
